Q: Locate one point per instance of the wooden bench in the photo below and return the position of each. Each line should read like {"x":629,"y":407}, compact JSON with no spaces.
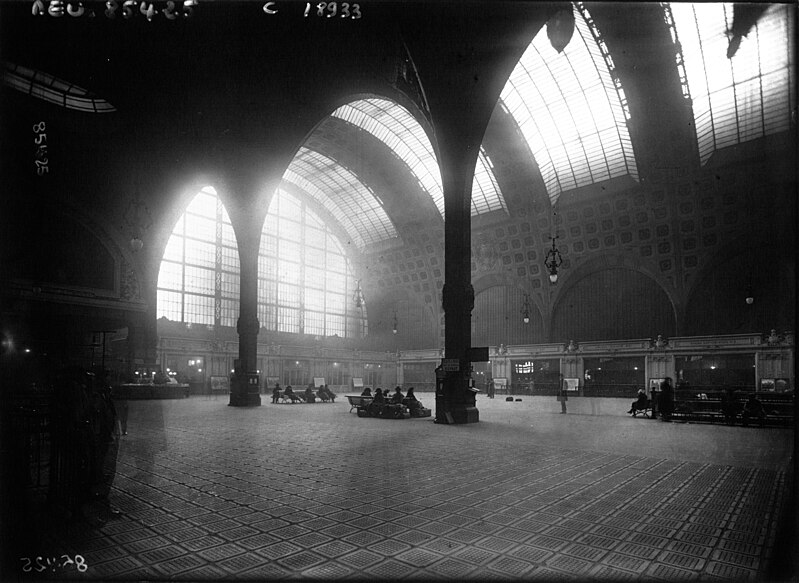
{"x":358,"y":401}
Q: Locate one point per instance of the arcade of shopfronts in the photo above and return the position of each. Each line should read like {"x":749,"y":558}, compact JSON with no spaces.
{"x":413,"y":213}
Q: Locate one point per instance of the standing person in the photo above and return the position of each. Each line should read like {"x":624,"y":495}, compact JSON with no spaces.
{"x":654,"y":397}
{"x":276,"y":393}
{"x":562,"y":395}
{"x":666,"y":399}
{"x":491,"y":388}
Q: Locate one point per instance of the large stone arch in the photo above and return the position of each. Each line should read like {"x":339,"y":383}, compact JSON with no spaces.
{"x":611,"y":297}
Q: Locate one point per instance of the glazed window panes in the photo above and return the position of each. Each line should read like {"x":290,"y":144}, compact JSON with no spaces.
{"x":198,"y":309}
{"x":314,"y":323}
{"x":230,"y":260}
{"x":314,"y":258}
{"x":336,"y":302}
{"x":398,"y":129}
{"x":44,"y":86}
{"x":291,"y":231}
{"x":336,"y":263}
{"x":314,"y":278}
{"x":314,"y":299}
{"x":268,"y":245}
{"x":485,"y":190}
{"x":314,"y":237}
{"x":170,"y":275}
{"x":289,"y":273}
{"x":335,"y":283}
{"x":267,"y":316}
{"x":230,"y":285}
{"x":199,"y":253}
{"x":170,"y":305}
{"x":289,"y":251}
{"x":570,"y":112}
{"x":199,"y":280}
{"x":201,"y":228}
{"x":334,"y":324}
{"x":174,"y":247}
{"x":340,"y":191}
{"x":307,"y":282}
{"x":288,"y":320}
{"x":228,"y":236}
{"x":192,"y":264}
{"x":748,"y":96}
{"x":230,"y":312}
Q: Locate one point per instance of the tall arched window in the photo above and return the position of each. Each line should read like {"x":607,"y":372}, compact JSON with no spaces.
{"x":198,"y":281}
{"x":305,"y":284}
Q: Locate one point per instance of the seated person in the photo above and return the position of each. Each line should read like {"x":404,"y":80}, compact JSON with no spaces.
{"x":640,"y":403}
{"x":276,"y":393}
{"x":367,"y":392}
{"x":310,"y":397}
{"x":411,"y":402}
{"x":729,"y":406}
{"x":330,"y":394}
{"x":377,"y":404}
{"x":322,"y":394}
{"x":753,"y":408}
{"x":289,"y":394}
{"x":397,"y":397}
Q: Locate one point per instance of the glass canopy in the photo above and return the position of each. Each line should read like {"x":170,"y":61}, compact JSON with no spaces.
{"x":343,"y":195}
{"x":745,"y":97}
{"x":398,"y":129}
{"x":571,"y":110}
{"x":49,"y":88}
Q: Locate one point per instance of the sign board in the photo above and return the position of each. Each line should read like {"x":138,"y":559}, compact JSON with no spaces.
{"x":452,"y":365}
{"x":654,"y":384}
{"x":357,"y":382}
{"x":478,"y":354}
{"x":500,"y":384}
{"x":572,"y":385}
{"x":220,"y":384}
{"x":318,"y":381}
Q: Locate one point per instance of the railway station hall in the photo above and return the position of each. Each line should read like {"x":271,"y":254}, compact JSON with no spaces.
{"x":382,"y":290}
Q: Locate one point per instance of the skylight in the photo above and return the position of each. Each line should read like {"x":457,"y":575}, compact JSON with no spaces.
{"x":743,"y":98}
{"x":343,"y":195}
{"x":398,"y":129}
{"x":571,"y":110}
{"x":49,"y":88}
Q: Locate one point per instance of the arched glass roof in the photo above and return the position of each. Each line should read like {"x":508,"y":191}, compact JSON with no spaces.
{"x":745,"y":97}
{"x":398,"y":129}
{"x":571,"y":110}
{"x":343,"y":195}
{"x":49,"y":88}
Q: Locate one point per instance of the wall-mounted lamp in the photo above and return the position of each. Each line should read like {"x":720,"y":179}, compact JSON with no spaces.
{"x":394,"y":325}
{"x":553,"y":261}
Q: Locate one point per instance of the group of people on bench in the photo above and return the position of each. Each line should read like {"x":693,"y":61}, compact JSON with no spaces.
{"x":662,"y":403}
{"x":323,"y":393}
{"x":381,"y":398}
{"x":731,"y":408}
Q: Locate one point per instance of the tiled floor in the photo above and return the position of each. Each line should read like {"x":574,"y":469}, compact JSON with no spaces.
{"x":211,"y":492}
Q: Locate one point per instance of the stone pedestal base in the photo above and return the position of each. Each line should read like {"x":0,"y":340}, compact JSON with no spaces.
{"x":455,"y":401}
{"x":242,"y":394}
{"x":457,"y":415}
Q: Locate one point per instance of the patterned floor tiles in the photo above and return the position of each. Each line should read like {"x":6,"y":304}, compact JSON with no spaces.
{"x":210,"y":492}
